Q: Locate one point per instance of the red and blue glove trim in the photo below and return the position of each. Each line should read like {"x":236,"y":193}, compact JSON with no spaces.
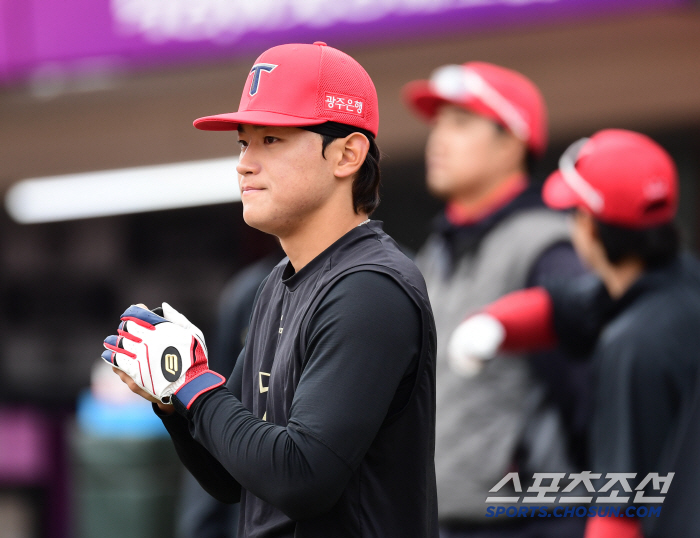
{"x":142,"y":317}
{"x":194,"y":388}
{"x":113,"y":345}
{"x":138,"y":315}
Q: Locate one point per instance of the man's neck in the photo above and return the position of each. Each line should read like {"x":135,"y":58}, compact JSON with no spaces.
{"x":317,"y":233}
{"x":620,"y":277}
{"x":476,"y":206}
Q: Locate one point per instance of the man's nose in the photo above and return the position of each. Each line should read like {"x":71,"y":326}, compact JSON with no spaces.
{"x":247,"y":164}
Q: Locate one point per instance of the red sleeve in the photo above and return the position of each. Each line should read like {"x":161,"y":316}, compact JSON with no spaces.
{"x":526,"y":316}
{"x":613,"y":527}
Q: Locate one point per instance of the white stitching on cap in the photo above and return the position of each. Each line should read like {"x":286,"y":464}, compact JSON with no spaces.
{"x":567,"y":166}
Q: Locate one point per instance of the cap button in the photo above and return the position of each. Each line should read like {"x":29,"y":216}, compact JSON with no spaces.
{"x":320,"y":43}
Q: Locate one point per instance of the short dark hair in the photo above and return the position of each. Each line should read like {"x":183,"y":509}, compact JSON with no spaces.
{"x":365,"y":186}
{"x":654,"y":246}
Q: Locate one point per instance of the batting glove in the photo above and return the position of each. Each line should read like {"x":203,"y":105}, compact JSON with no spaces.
{"x":473,"y":342}
{"x":165,"y":355}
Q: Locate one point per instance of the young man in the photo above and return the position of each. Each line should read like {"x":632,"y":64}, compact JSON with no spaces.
{"x":638,"y":318}
{"x":488,"y":124}
{"x":326,"y":425}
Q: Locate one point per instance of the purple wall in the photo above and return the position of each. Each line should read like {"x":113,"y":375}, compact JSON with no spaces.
{"x":84,"y":35}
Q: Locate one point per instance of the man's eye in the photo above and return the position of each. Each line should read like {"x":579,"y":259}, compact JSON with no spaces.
{"x":242,"y":144}
{"x":270,"y":139}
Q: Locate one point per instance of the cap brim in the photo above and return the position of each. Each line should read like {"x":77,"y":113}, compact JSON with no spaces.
{"x":420,"y":98}
{"x":230,"y":122}
{"x":557,"y":194}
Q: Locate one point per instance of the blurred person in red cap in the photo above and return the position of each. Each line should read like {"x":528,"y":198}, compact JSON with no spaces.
{"x":637,"y":319}
{"x":488,"y":128}
{"x":325,"y":427}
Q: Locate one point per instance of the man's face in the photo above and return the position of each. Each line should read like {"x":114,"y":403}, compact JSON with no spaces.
{"x":283,"y":177}
{"x":464,"y":154}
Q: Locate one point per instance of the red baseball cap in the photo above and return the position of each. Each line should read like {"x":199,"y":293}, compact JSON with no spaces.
{"x":299,"y":85}
{"x":621,"y":177}
{"x":495,"y":92}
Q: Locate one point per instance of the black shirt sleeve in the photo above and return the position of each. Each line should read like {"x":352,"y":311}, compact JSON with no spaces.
{"x":581,"y":307}
{"x":566,"y":378}
{"x":363,"y":347}
{"x":210,"y":474}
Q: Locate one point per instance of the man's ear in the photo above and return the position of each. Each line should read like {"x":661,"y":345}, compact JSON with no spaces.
{"x":350,"y":154}
{"x":592,"y":227}
{"x":587,"y":224}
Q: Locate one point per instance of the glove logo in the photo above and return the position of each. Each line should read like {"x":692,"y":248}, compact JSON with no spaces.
{"x":171,"y":364}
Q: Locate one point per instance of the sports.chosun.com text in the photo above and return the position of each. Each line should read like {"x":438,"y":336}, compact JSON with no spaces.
{"x":573,"y":511}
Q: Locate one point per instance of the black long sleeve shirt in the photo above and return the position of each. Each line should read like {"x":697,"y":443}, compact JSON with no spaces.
{"x":326,"y":425}
{"x":644,"y":349}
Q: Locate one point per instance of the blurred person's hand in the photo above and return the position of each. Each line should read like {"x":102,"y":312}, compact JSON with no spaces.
{"x":155,"y":355}
{"x":473,"y":342}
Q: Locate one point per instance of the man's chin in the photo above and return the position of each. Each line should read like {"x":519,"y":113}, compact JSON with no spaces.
{"x":255,"y":220}
{"x":441,"y":191}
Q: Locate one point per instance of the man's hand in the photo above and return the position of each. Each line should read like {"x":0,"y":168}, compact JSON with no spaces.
{"x":166,"y":408}
{"x":474,"y":341}
{"x":158,"y":354}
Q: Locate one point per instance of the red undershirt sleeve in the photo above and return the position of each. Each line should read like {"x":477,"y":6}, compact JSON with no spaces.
{"x":527,"y":317}
{"x":613,"y":527}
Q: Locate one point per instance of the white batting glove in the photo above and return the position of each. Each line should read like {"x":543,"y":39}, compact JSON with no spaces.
{"x":473,"y":342}
{"x":160,"y":353}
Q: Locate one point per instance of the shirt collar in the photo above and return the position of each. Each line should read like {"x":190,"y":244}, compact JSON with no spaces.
{"x":292,"y":280}
{"x":460,"y":215}
{"x":651,"y":280}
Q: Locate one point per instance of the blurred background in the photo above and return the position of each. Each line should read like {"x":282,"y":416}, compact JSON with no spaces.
{"x":88,"y":86}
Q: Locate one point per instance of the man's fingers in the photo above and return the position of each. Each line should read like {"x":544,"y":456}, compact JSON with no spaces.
{"x":129,"y":345}
{"x":132,"y":385}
